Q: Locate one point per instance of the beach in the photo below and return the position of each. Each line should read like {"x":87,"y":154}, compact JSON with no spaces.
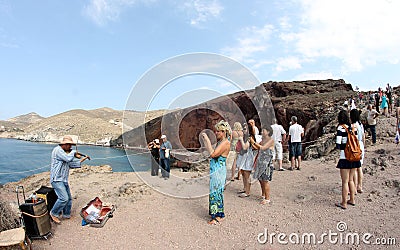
{"x":302,"y":203}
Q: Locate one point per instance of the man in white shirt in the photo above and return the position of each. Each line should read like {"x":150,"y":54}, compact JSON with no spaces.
{"x":296,"y":131}
{"x":279,"y":135}
{"x":371,"y":119}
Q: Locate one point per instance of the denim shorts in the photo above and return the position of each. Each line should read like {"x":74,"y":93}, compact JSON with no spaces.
{"x":296,"y":149}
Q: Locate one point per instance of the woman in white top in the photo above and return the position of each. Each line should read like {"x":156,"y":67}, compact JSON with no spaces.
{"x":236,"y":133}
{"x":245,"y":160}
{"x":355,"y":120}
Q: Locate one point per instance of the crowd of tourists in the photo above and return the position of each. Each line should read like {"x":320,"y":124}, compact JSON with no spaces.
{"x":256,"y":153}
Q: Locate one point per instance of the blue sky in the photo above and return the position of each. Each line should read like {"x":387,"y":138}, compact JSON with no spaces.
{"x":61,"y":55}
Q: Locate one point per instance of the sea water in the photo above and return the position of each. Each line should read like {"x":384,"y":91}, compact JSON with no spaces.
{"x":19,"y":159}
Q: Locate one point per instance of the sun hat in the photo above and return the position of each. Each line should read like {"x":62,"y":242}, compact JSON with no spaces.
{"x":163,"y":136}
{"x":67,"y":140}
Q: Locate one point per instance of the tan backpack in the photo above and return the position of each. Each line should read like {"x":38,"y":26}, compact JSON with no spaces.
{"x":352,"y":151}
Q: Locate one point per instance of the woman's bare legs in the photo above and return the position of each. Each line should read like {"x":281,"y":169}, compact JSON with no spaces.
{"x":233,"y":170}
{"x":265,"y":189}
{"x":246,"y":181}
{"x":360,"y":176}
{"x":345,"y":175}
{"x":352,"y":186}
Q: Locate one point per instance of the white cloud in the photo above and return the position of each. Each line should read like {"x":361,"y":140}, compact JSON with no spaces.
{"x":287,"y":63}
{"x":358,"y":32}
{"x":250,"y":42}
{"x":7,"y":41}
{"x":201,"y":11}
{"x":103,"y":11}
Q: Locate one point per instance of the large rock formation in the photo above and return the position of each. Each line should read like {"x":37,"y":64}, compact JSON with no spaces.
{"x":315,"y":103}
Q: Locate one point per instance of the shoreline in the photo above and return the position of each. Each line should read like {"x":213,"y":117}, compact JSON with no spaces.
{"x":301,"y":202}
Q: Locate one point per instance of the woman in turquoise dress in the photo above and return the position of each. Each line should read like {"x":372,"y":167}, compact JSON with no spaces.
{"x":384,"y":105}
{"x":217,"y":170}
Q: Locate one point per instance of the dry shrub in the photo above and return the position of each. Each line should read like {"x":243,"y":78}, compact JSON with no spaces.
{"x":8,"y":220}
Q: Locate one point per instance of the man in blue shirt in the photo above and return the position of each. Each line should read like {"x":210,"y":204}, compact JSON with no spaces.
{"x":165,"y":149}
{"x":62,"y":159}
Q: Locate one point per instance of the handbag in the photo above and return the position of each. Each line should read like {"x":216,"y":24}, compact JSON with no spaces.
{"x":238,"y":147}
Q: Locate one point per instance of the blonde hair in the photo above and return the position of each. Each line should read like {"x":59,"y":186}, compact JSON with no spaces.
{"x":223,"y":126}
{"x":237,"y":126}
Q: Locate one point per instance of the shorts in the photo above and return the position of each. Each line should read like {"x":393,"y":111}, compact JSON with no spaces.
{"x":296,"y":149}
{"x":345,"y":164}
{"x":278,"y":151}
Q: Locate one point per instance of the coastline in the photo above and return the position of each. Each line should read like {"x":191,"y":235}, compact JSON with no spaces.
{"x":302,"y":202}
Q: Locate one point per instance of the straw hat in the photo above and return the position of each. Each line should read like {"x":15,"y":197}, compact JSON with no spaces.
{"x":67,"y":140}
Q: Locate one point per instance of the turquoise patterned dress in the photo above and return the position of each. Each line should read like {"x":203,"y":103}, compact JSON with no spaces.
{"x":217,"y":184}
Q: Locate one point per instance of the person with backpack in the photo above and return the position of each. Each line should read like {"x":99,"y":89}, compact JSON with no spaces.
{"x":347,"y":163}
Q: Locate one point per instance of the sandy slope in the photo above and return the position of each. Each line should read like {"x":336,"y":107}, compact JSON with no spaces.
{"x":302,"y":202}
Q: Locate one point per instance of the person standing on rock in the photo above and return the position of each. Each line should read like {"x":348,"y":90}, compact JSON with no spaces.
{"x":355,"y":122}
{"x":371,"y":119}
{"x":154,"y":147}
{"x":384,"y":105}
{"x":347,"y":168}
{"x":278,"y":135}
{"x":165,"y":155}
{"x":217,"y":170}
{"x":296,"y":132}
{"x":62,"y":157}
{"x":377,"y":100}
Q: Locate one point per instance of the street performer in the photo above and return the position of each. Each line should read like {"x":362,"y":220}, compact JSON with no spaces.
{"x":62,"y":159}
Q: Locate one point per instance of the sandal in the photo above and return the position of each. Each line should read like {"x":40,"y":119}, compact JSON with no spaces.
{"x":219,"y":219}
{"x":265,"y":201}
{"x":214,"y":221}
{"x":340,"y":205}
{"x":243,"y":195}
{"x":350,"y":203}
{"x":55,"y":219}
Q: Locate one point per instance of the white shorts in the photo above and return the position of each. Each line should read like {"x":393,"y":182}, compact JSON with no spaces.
{"x":278,"y":151}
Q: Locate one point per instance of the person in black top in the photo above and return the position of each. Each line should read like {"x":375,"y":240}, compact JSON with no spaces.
{"x":377,"y":99}
{"x":154,"y":147}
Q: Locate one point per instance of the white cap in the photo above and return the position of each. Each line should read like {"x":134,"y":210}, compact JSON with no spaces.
{"x":163,"y":136}
{"x":346,"y":103}
{"x":156,"y":141}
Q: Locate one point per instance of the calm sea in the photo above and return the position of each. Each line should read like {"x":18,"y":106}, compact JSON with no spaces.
{"x":19,"y":159}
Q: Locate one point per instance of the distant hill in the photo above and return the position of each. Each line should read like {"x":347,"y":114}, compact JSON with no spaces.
{"x":97,"y":126}
{"x":26,"y":119}
{"x":18,"y":123}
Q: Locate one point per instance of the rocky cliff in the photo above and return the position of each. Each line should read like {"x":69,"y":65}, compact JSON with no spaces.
{"x":314,"y":102}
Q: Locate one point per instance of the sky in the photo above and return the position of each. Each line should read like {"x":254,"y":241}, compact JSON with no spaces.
{"x":85,"y":54}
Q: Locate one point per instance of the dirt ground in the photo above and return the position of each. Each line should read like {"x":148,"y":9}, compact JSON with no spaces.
{"x":302,"y":205}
